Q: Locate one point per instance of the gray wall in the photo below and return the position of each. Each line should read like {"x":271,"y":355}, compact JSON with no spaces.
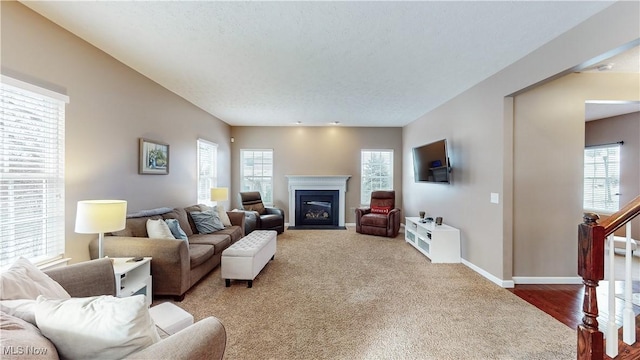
{"x":110,"y":107}
{"x":479,"y":124}
{"x":300,"y":150}
{"x":549,"y":140}
{"x":621,"y":128}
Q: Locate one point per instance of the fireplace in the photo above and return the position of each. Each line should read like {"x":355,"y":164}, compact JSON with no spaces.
{"x":314,"y":183}
{"x":317,"y":208}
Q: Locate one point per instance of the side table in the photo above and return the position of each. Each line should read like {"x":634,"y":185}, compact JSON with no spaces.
{"x":133,"y":277}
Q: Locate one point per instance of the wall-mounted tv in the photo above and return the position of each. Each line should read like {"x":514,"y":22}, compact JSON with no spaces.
{"x":431,"y":162}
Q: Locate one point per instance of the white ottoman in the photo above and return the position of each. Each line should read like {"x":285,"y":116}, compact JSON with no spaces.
{"x":245,"y":259}
{"x":170,"y":318}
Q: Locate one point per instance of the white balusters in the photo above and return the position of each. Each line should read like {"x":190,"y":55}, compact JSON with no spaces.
{"x":628,"y":317}
{"x":612,"y":329}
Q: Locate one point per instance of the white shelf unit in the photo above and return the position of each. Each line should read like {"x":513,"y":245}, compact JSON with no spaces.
{"x":440,"y":243}
{"x":133,"y":277}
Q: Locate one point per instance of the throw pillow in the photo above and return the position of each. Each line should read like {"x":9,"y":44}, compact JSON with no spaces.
{"x":175,"y":228}
{"x":25,"y":281}
{"x":158,"y":229}
{"x":380,"y":209}
{"x":99,"y":327}
{"x":258,"y":207}
{"x":24,"y":309}
{"x":222,"y":214}
{"x":207,"y":221}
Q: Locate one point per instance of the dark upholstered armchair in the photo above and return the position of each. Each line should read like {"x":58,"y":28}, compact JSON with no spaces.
{"x":267,"y":218}
{"x":381,"y":218}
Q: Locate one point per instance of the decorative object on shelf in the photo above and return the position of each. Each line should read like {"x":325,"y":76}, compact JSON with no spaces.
{"x":438,"y":220}
{"x":422,"y":214}
{"x":100,"y":216}
{"x":154,"y":158}
{"x":220,"y":194}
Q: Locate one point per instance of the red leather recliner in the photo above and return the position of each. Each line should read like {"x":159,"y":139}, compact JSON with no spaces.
{"x":381,"y":218}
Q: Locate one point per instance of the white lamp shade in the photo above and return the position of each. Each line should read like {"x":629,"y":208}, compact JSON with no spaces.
{"x":100,"y":216}
{"x":220,"y":194}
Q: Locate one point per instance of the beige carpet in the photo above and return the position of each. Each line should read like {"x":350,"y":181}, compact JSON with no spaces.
{"x":336,"y":294}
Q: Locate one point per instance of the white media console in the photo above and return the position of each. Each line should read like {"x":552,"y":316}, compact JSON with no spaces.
{"x":440,"y":243}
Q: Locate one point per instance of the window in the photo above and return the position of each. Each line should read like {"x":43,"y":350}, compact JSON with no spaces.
{"x":376,"y":173}
{"x":31,"y":172}
{"x":602,"y":178}
{"x":207,"y":170}
{"x":256,"y":173}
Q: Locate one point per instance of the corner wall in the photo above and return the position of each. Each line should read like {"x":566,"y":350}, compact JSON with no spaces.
{"x":480,"y":133}
{"x":111,"y":106}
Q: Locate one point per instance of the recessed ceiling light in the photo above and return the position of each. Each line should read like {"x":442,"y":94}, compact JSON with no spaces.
{"x":605,"y":67}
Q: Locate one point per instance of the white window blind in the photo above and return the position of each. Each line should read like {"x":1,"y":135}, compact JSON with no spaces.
{"x":602,"y":178}
{"x":376,"y":172}
{"x":256,"y":173}
{"x":31,"y":172}
{"x":207,"y":170}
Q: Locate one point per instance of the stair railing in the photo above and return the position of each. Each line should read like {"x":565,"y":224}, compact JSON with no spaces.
{"x":591,"y":241}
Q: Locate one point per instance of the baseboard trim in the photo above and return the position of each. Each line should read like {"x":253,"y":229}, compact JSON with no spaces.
{"x":508,"y":284}
{"x":557,"y":280}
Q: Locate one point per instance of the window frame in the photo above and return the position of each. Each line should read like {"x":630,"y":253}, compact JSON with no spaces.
{"x":267,"y":197}
{"x":591,"y":175}
{"x":203,"y":196}
{"x":365,"y":194}
{"x":32,"y":126}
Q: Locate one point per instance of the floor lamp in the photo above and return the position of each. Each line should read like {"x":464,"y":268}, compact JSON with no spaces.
{"x":220,"y":194}
{"x":99,"y":217}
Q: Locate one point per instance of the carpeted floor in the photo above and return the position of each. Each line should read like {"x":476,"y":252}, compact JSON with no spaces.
{"x":342,"y":295}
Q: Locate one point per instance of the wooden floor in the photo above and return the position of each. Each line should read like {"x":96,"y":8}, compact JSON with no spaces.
{"x":564,"y":302}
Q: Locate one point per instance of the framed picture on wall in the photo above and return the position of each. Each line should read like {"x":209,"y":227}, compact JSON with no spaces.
{"x":154,"y":158}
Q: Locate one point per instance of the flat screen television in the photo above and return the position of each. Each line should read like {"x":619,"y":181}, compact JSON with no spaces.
{"x":431,"y":162}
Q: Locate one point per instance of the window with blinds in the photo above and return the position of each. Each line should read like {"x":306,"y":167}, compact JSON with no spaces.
{"x":207,"y":170}
{"x":31,"y":172}
{"x":256,"y":173}
{"x":602,"y":178}
{"x":376,"y":172}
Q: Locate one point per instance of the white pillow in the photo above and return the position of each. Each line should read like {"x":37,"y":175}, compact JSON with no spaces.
{"x":25,"y":281}
{"x":222,"y":214}
{"x":24,"y":309}
{"x":99,"y":327}
{"x":158,"y":229}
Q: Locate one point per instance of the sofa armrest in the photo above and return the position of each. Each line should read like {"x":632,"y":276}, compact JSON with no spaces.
{"x":236,"y":218}
{"x":205,"y":339}
{"x":89,"y":278}
{"x":170,"y":263}
{"x":274,"y":211}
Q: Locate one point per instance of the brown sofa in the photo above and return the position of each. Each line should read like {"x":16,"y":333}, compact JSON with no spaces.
{"x":176,"y":265}
{"x":206,"y":339}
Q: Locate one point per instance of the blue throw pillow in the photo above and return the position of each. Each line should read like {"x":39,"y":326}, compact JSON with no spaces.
{"x":207,"y":221}
{"x":175,"y":228}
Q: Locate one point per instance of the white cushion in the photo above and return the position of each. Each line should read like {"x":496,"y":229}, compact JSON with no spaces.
{"x":25,"y":281}
{"x":99,"y":327}
{"x":158,"y":229}
{"x":24,"y":309}
{"x":222,"y":214}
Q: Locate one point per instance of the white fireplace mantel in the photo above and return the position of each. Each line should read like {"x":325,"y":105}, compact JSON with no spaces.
{"x":317,"y":182}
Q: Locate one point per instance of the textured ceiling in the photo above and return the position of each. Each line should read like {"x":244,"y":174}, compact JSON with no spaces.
{"x":358,"y":63}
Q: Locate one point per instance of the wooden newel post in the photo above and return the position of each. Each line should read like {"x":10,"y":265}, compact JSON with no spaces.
{"x":591,"y":268}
